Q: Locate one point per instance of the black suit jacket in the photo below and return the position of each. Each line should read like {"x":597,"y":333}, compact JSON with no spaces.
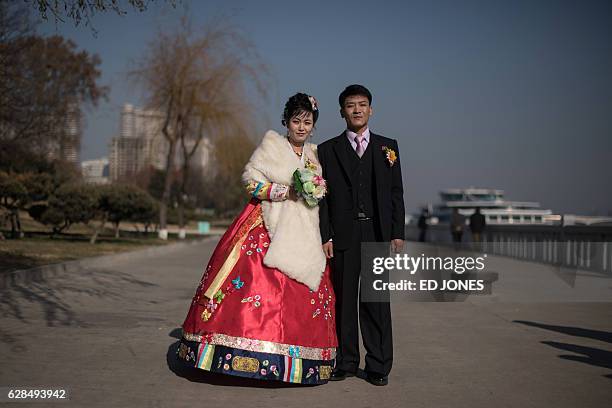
{"x":336,"y":212}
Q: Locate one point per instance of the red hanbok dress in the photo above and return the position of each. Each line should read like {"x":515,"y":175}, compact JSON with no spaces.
{"x":249,"y":320}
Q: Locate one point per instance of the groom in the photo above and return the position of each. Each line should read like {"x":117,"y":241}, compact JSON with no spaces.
{"x":364,"y":203}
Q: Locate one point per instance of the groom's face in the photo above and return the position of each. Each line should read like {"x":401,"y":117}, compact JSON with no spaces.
{"x":356,"y":112}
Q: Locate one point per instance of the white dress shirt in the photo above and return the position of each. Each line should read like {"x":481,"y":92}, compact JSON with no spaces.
{"x":364,"y":143}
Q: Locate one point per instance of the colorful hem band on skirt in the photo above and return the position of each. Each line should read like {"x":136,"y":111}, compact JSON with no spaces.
{"x":253,"y":364}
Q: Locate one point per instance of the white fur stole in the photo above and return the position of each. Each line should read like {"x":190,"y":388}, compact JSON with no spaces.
{"x":295,"y":241}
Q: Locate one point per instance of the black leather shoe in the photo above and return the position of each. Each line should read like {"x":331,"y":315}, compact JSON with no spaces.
{"x":377,"y":379}
{"x":339,"y":375}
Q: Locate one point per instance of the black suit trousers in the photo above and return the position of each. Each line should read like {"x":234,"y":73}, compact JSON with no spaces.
{"x":374,"y":318}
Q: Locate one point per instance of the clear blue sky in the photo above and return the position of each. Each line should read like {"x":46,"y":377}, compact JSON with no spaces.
{"x":514,"y":95}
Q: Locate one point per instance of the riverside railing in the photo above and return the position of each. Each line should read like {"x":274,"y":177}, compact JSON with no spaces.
{"x":572,"y":246}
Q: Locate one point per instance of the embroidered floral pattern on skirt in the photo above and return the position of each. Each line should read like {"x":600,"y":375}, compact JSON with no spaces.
{"x":259,"y":323}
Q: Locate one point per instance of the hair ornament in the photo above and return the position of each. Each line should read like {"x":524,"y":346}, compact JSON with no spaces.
{"x":313,"y":103}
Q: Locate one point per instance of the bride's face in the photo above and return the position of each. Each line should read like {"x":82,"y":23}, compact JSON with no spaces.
{"x":300,"y":127}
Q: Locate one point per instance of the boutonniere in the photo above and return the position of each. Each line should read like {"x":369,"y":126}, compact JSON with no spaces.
{"x":390,"y":154}
{"x":310,"y":165}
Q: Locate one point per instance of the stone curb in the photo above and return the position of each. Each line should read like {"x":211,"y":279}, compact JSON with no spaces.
{"x":44,"y":272}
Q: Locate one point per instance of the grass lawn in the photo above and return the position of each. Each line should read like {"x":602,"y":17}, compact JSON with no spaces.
{"x":38,"y":248}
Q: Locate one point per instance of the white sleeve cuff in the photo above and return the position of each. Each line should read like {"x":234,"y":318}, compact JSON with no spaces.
{"x":278,"y":192}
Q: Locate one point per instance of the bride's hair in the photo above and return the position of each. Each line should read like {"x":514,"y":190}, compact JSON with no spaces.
{"x":298,"y":103}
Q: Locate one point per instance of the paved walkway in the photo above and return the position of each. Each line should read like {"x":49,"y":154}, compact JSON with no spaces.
{"x":108,"y":332}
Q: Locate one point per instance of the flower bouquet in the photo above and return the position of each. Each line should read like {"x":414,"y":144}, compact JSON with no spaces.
{"x":309,"y":185}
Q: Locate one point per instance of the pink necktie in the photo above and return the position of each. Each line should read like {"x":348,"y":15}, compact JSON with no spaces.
{"x":359,"y":147}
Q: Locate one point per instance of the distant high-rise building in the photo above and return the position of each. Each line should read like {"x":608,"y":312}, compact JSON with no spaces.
{"x":145,"y":125}
{"x":141,"y":144}
{"x":95,"y":171}
{"x":138,"y":144}
{"x":126,"y":158}
{"x":67,"y":143}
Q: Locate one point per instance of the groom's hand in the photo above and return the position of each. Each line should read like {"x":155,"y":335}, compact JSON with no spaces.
{"x":328,"y":249}
{"x":397,"y":245}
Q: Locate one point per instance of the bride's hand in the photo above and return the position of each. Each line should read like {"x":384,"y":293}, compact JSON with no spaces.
{"x":292,"y":194}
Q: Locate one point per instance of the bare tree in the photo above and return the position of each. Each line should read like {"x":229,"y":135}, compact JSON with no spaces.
{"x":230,"y":154}
{"x":43,"y":81}
{"x":84,"y":10}
{"x":198,"y":81}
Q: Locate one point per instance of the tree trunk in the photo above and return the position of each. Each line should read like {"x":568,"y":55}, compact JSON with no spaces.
{"x":181,"y":215}
{"x":13,"y":225}
{"x":181,"y":212}
{"x":183,"y":192}
{"x":98,"y":230}
{"x":117,"y":229}
{"x":169,"y":177}
{"x":18,"y":219}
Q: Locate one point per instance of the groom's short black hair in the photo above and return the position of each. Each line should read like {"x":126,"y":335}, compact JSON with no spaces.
{"x":353,"y":90}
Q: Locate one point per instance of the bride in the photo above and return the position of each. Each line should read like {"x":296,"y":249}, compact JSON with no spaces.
{"x":264,"y":307}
